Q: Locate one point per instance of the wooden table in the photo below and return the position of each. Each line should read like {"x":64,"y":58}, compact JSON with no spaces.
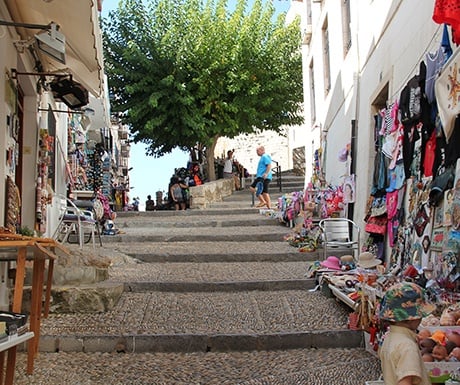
{"x":19,"y":249}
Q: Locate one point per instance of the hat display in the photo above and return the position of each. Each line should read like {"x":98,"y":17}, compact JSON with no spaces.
{"x":346,"y":258}
{"x":368,"y":260}
{"x":347,"y":262}
{"x":404,"y":302}
{"x":331,"y":263}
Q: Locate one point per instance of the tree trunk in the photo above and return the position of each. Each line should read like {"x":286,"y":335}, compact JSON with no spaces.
{"x":210,"y":159}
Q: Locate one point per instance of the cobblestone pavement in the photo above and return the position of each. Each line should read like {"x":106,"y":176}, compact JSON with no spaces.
{"x":297,"y":366}
{"x":255,"y":312}
{"x":210,"y":272}
{"x":200,"y":313}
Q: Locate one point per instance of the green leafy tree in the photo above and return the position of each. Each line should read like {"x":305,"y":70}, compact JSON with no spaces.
{"x":187,"y":72}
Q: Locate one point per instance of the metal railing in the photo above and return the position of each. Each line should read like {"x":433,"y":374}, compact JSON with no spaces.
{"x":276,"y":171}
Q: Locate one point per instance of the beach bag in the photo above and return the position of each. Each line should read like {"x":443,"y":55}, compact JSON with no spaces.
{"x":447,"y":94}
{"x":376,"y":224}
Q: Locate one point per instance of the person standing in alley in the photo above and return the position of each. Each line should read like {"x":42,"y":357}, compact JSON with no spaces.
{"x":228,"y":165}
{"x":229,"y":170}
{"x":176,"y":193}
{"x":264,"y":175}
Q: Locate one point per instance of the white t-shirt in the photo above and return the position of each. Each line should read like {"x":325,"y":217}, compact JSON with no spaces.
{"x":228,"y":166}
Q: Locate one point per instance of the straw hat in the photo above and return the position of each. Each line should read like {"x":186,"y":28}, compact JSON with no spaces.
{"x":368,"y":260}
{"x":347,"y":258}
{"x":347,"y":262}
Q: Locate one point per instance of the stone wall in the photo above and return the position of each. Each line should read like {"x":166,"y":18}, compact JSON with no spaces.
{"x":215,"y":191}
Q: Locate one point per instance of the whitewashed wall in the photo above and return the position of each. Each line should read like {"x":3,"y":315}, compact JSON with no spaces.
{"x":389,"y":39}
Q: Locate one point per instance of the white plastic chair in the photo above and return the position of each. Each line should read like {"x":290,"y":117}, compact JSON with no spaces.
{"x":339,"y":234}
{"x":74,"y":221}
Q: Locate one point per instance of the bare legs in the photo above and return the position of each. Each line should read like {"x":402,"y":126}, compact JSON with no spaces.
{"x":264,"y":198}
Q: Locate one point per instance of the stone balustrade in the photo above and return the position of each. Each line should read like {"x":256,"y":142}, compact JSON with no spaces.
{"x":215,"y":191}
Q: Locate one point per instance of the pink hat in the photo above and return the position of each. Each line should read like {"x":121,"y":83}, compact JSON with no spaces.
{"x":331,"y":263}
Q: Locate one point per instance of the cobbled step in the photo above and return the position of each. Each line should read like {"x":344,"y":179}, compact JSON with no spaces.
{"x":225,"y":251}
{"x":188,"y":343}
{"x":171,"y":321}
{"x":190,"y":287}
{"x":345,"y":366}
{"x":213,"y":277}
{"x":200,"y":234}
{"x":227,"y":220}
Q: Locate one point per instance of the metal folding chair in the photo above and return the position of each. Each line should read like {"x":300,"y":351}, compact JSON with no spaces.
{"x":339,"y":234}
{"x":74,"y":222}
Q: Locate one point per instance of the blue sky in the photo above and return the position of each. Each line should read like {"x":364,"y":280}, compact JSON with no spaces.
{"x":152,"y":174}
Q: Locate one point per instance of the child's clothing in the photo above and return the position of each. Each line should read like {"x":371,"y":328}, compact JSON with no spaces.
{"x":400,"y":356}
{"x":177,"y":194}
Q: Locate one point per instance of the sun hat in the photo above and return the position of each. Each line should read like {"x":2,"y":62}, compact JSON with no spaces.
{"x":331,"y":262}
{"x":368,"y":260}
{"x":347,"y":262}
{"x":346,"y":258}
{"x":404,"y":301}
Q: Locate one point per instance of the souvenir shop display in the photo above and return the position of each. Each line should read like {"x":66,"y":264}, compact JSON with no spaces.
{"x":303,"y":210}
{"x":13,"y":206}
{"x":412,"y":220}
{"x":44,"y":179}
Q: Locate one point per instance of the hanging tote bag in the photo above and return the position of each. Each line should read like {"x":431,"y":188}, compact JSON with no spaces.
{"x":447,"y":91}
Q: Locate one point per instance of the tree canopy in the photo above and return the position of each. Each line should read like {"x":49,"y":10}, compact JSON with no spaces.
{"x":186,"y":72}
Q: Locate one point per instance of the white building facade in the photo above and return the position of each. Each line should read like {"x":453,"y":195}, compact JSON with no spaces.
{"x":358,"y":59}
{"x":38,"y":127}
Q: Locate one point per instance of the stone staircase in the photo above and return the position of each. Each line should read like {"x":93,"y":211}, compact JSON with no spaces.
{"x":220,"y":284}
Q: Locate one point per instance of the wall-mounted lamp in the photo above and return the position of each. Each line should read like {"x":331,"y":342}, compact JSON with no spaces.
{"x":51,"y":42}
{"x":64,"y":88}
{"x":72,"y":93}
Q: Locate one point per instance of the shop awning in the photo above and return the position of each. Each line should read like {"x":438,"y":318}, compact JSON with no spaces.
{"x":78,"y":22}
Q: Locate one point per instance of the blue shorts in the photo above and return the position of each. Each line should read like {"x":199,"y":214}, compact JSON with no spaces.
{"x":263,"y":186}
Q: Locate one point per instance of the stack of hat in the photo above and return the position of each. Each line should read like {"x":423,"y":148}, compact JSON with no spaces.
{"x":368,"y":260}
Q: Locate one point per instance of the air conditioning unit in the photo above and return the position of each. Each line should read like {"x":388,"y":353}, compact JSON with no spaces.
{"x":306,"y":36}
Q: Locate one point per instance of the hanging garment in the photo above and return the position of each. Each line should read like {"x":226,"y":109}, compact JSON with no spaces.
{"x":417,"y":155}
{"x":445,"y":44}
{"x":410,"y":100}
{"x":448,"y":12}
{"x":428,"y":159}
{"x":434,"y":64}
{"x":447,"y":91}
